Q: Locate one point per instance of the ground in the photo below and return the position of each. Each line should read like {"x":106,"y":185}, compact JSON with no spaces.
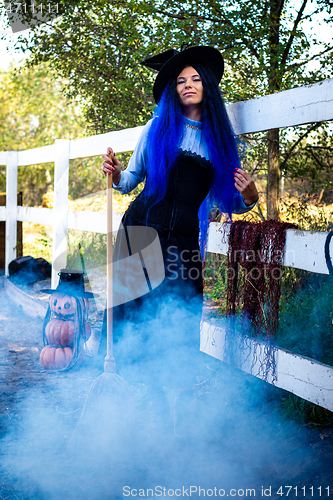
{"x":234,"y":437}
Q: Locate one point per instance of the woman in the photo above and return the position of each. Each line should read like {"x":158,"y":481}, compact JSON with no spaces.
{"x":187,"y":153}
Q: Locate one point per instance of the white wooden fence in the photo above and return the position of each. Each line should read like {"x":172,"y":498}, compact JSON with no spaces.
{"x":304,"y":249}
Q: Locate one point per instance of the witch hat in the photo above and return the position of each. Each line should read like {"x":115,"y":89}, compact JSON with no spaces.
{"x":171,"y":62}
{"x":71,"y":282}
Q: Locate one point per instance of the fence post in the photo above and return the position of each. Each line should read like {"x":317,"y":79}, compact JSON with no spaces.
{"x":11,"y":208}
{"x":60,"y":224}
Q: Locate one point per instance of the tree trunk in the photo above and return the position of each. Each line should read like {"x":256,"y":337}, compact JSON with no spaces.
{"x":273,"y":175}
{"x":274,"y":80}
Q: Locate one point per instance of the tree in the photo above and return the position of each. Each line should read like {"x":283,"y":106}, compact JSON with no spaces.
{"x":266,"y":49}
{"x":97,"y":48}
{"x":34,"y":113}
{"x":264,"y":44}
{"x":310,"y":163}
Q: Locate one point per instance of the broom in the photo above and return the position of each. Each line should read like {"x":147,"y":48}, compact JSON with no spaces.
{"x":106,"y":420}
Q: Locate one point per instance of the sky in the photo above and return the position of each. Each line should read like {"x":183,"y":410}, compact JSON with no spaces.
{"x":7,"y":57}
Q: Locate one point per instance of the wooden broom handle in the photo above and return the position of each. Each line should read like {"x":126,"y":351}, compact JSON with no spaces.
{"x":109,"y":364}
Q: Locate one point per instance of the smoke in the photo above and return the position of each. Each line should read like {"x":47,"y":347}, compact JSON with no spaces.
{"x":196,"y":423}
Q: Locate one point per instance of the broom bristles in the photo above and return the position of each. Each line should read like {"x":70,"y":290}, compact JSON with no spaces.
{"x":106,"y":423}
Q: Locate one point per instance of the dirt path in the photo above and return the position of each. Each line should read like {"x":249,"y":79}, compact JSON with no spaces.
{"x":238,"y":437}
{"x":25,"y":388}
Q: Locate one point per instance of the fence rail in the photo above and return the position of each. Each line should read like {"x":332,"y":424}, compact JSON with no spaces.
{"x":303,"y":249}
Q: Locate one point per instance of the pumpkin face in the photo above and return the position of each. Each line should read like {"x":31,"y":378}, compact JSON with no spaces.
{"x":60,"y":332}
{"x":63,"y":305}
{"x":53,"y":358}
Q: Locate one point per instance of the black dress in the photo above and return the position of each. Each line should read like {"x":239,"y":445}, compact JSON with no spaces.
{"x":162,"y":327}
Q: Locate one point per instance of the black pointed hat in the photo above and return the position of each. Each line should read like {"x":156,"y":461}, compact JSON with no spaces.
{"x":71,"y":282}
{"x":170,"y":63}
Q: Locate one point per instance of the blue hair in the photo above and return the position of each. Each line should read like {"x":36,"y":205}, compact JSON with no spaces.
{"x":165,"y":136}
{"x":223,"y":153}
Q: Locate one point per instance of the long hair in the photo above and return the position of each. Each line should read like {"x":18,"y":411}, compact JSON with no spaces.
{"x":165,"y":136}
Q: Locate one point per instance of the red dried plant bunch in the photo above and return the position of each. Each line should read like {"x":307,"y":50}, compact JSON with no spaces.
{"x":255,"y":259}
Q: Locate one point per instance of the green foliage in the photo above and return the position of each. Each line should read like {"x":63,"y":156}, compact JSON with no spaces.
{"x":37,"y":241}
{"x":306,"y":216}
{"x":308,"y":162}
{"x":34,"y":113}
{"x":303,"y":411}
{"x":262,"y":41}
{"x":305,"y":325}
{"x":89,"y":246}
{"x":85,"y":177}
{"x":215,"y":279}
{"x":33,"y":110}
{"x":98,"y":46}
{"x":306,"y":302}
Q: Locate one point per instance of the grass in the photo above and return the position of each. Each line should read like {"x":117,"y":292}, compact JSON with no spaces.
{"x":37,"y":240}
{"x":306,"y":316}
{"x":215,"y":283}
{"x":303,"y":411}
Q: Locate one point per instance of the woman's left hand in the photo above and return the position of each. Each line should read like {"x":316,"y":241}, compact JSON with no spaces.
{"x":245,"y":185}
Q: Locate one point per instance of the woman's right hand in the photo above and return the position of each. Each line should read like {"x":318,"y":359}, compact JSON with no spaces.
{"x":112,"y":165}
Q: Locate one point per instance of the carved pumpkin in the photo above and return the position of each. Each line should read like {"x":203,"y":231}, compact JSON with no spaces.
{"x":65,"y":306}
{"x":60,"y":332}
{"x":65,"y":327}
{"x":53,"y":358}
